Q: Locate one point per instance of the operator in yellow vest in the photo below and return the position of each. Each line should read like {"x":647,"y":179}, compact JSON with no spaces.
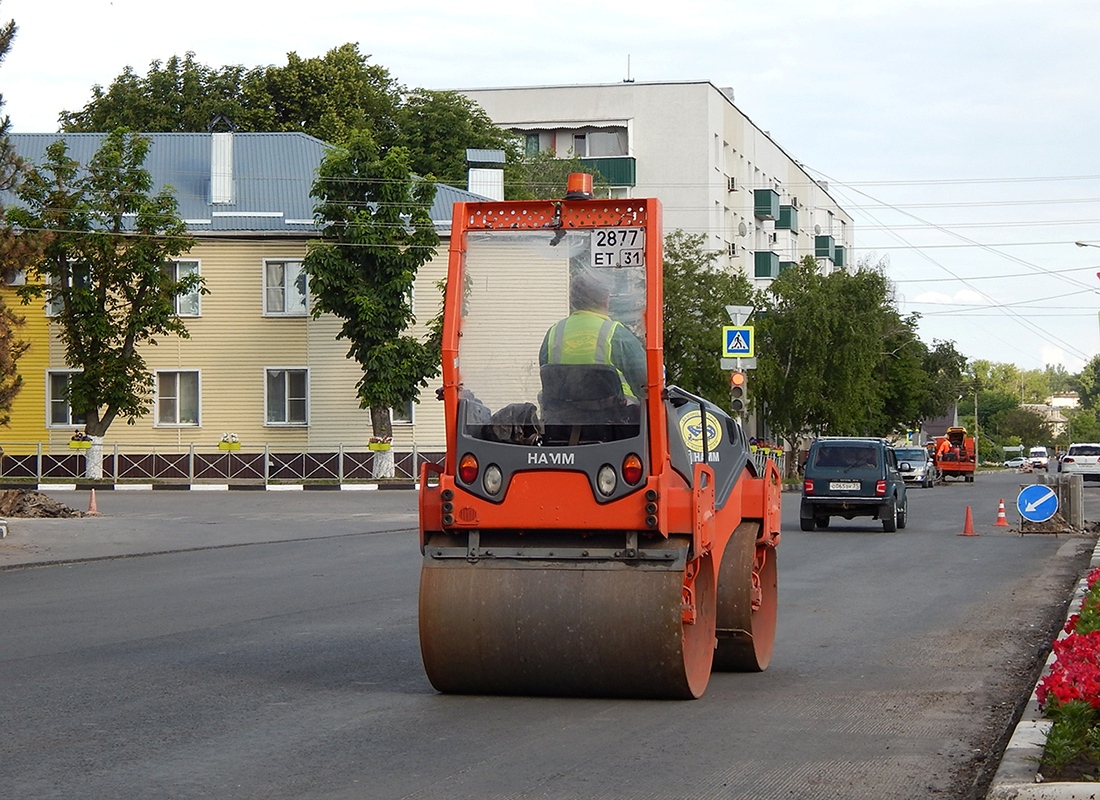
{"x":590,"y":336}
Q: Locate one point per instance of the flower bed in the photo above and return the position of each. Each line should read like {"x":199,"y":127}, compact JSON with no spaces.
{"x":1069,"y":695}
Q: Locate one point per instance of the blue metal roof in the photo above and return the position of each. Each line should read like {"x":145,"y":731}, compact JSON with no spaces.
{"x":272,"y":176}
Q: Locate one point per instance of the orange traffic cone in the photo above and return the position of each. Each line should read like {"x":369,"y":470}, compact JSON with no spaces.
{"x":1002,"y":520}
{"x":968,"y":526}
{"x":92,"y":509}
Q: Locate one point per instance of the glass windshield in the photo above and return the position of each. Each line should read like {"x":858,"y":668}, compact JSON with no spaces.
{"x":915,"y":454}
{"x":553,"y":332}
{"x":846,"y":456}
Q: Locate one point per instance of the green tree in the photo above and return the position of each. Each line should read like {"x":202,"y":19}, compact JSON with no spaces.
{"x":543,"y":176}
{"x":17,"y":248}
{"x":993,"y":406}
{"x":103,"y":272}
{"x":1088,"y":383}
{"x":944,"y":370}
{"x":1028,"y":426}
{"x":821,"y":340}
{"x":179,"y":94}
{"x":696,"y":294}
{"x":1083,"y":426}
{"x":437,"y":128}
{"x":327,"y":97}
{"x":378,"y":233}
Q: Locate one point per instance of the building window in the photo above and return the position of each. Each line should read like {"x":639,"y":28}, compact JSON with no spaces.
{"x":402,"y":415}
{"x":287,"y":396}
{"x":531,"y":144}
{"x":186,"y":305}
{"x":285,"y":289}
{"x":178,"y":398}
{"x":78,"y":277}
{"x":57,"y":399}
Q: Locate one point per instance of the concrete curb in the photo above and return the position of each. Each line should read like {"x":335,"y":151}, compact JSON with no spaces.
{"x":1019,"y":770}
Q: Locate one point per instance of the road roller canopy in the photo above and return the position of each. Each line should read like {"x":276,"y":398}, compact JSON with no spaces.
{"x":553,"y":332}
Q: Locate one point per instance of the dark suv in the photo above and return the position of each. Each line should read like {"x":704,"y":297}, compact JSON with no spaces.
{"x":850,"y":477}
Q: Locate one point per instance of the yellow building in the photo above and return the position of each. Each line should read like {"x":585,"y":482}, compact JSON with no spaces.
{"x":256,"y":364}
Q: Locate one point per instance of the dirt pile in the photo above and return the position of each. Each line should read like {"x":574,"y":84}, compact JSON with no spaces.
{"x":28,"y":503}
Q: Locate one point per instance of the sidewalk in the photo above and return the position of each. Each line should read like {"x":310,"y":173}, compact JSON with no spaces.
{"x":1016,"y":777}
{"x":136,"y":523}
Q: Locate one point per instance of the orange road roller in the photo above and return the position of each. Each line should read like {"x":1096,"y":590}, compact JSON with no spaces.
{"x":592,"y":531}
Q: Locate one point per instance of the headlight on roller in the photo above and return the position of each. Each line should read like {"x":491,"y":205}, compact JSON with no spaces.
{"x":606,"y":480}
{"x":493,"y":479}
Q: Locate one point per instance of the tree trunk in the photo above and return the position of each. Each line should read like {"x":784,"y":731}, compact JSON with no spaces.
{"x":93,"y":459}
{"x":382,"y":466}
{"x":382,"y":427}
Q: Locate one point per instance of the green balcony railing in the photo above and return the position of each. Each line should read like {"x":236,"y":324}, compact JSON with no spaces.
{"x":767,"y":264}
{"x":788,"y":219}
{"x":618,"y":170}
{"x":765,"y":203}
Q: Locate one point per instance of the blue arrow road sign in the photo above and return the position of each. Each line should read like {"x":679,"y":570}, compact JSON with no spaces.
{"x":1037,"y":503}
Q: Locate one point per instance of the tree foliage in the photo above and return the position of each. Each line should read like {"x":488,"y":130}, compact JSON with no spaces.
{"x":103,"y":271}
{"x":17,"y":249}
{"x":325,"y":97}
{"x":378,"y":233}
{"x":1023,"y":424}
{"x":437,"y":128}
{"x":543,"y":176}
{"x":696,"y":294}
{"x":177,"y":95}
{"x":836,"y":357}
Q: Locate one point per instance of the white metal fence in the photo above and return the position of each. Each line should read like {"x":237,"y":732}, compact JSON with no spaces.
{"x":43,"y":463}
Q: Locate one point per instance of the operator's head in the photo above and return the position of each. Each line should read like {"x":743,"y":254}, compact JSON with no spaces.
{"x":588,"y":292}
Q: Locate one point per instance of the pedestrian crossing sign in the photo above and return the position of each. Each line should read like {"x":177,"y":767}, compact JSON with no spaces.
{"x":738,"y":341}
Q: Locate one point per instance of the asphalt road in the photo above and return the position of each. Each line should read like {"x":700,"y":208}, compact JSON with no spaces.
{"x":264,"y":645}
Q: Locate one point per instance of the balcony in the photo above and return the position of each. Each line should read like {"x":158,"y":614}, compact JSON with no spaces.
{"x":840,"y":256}
{"x":788,"y":219}
{"x":767,"y":264}
{"x":765,"y":203}
{"x":617,"y":170}
{"x":824,"y":247}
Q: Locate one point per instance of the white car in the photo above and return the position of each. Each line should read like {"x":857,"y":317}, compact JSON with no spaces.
{"x":1015,"y":463}
{"x":1083,"y":458}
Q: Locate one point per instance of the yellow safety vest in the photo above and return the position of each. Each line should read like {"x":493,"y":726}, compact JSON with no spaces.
{"x":584,"y":337}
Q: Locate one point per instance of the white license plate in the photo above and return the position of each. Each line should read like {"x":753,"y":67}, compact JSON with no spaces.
{"x":844,"y":486}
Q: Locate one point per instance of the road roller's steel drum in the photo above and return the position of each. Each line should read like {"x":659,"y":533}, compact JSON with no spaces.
{"x":606,"y":628}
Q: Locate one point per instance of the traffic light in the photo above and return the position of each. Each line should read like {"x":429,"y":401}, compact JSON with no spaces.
{"x":738,"y":395}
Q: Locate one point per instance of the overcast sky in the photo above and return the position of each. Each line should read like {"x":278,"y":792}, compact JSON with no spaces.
{"x":962,"y":135}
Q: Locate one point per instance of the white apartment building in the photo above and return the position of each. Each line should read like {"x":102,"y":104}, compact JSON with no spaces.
{"x":687,"y":144}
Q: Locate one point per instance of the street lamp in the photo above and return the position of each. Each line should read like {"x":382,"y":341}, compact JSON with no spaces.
{"x":1086,"y":244}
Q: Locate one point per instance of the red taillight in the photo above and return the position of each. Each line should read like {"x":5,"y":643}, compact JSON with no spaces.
{"x":632,"y":469}
{"x":880,"y":488}
{"x":1067,"y":458}
{"x":808,"y":486}
{"x":467,"y":468}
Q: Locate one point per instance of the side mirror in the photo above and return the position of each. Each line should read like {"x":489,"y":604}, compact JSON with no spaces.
{"x":905,"y":466}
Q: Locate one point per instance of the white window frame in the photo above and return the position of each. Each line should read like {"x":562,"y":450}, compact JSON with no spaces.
{"x":286,"y":422}
{"x":71,"y":421}
{"x":53,"y":301}
{"x":161,"y":397}
{"x":191,"y":300}
{"x":405,"y":417}
{"x":301,"y":306}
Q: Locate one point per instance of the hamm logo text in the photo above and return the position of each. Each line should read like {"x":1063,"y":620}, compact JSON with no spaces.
{"x":551,"y":459}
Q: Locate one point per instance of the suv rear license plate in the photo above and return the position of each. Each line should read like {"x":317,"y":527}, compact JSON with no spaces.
{"x":844,"y":486}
